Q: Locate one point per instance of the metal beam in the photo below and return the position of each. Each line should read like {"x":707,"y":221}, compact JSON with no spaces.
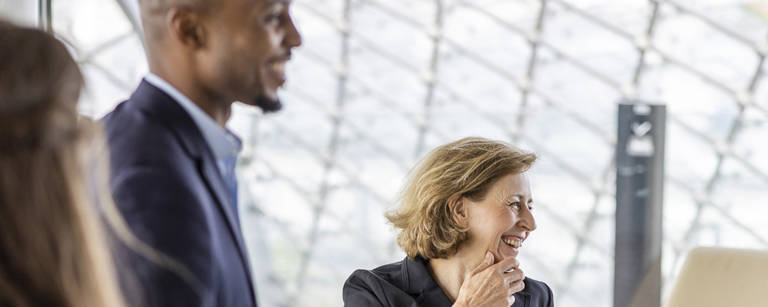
{"x":45,"y":16}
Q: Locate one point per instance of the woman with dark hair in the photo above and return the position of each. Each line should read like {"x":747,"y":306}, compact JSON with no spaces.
{"x":53,"y":250}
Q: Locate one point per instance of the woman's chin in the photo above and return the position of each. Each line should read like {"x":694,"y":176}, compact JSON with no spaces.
{"x":505,"y":251}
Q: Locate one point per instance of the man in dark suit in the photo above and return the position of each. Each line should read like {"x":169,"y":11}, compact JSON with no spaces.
{"x":172,"y":158}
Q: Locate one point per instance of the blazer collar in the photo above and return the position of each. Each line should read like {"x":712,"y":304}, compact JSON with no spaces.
{"x":418,"y":282}
{"x":153,"y":101}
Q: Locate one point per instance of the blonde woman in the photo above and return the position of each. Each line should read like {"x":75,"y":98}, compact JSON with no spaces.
{"x":52,"y":247}
{"x":464,"y":214}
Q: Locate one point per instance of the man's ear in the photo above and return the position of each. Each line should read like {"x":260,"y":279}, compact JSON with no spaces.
{"x":186,"y":27}
{"x":459,"y":209}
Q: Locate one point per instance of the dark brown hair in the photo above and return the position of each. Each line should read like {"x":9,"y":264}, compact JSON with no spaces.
{"x":52,"y":247}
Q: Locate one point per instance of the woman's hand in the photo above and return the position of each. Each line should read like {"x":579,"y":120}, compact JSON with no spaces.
{"x":491,"y":285}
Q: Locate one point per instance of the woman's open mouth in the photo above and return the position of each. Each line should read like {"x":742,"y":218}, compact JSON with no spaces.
{"x":513,"y":241}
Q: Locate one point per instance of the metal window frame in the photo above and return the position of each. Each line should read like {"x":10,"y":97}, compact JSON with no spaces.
{"x":45,"y":15}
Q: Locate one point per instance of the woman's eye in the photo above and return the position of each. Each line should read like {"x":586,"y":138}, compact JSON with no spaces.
{"x":515,"y":204}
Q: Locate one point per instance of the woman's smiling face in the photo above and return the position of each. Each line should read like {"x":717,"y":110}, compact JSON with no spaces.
{"x":502,"y":220}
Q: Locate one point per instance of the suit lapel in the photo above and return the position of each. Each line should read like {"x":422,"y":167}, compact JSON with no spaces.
{"x":420,"y":284}
{"x":156,"y":102}
{"x":523,"y":298}
{"x":215,"y":181}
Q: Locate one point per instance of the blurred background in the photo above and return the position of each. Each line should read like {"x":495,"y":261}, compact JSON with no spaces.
{"x":378,"y":83}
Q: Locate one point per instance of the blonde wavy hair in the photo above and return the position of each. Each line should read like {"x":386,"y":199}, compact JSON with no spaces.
{"x":464,"y":168}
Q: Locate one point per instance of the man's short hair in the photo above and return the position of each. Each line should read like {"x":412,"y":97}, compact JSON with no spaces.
{"x":464,"y":168}
{"x":165,"y":4}
{"x":153,"y":14}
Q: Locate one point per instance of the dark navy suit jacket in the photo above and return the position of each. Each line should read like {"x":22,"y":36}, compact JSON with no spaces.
{"x":408,"y":283}
{"x":166,"y":183}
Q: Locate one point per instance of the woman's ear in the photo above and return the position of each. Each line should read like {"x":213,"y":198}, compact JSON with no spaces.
{"x":459,"y":210}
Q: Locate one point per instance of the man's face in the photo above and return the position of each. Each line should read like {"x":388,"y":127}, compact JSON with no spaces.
{"x":248,"y":45}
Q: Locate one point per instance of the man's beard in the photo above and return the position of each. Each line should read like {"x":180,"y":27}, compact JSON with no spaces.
{"x":266,"y":104}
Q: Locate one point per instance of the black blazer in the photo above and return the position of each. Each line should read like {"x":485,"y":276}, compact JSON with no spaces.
{"x":408,"y":283}
{"x":166,"y":183}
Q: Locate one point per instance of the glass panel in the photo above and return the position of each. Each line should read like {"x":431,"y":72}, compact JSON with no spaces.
{"x":108,"y":49}
{"x":22,"y":12}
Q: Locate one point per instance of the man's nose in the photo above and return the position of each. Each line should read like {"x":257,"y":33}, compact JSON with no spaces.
{"x":292,"y":36}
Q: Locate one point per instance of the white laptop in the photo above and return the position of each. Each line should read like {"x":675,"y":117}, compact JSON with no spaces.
{"x":721,"y":277}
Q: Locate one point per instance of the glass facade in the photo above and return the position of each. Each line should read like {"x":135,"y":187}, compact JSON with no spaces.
{"x":379,"y":83}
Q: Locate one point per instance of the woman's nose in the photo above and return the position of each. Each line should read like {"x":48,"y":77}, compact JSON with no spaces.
{"x":527,"y":220}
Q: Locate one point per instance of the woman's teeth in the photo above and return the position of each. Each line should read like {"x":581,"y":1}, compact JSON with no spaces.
{"x":514,"y":242}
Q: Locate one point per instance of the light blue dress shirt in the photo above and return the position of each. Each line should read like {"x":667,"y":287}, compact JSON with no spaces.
{"x":224,"y":144}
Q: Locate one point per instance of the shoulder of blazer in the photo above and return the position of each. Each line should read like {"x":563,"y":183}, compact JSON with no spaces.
{"x":150,"y":115}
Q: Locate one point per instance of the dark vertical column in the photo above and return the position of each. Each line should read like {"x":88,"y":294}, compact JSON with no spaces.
{"x":639,"y":191}
{"x":44,"y":16}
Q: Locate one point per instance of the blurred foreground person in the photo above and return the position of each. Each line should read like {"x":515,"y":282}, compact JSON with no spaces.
{"x":52,"y":248}
{"x":464,"y":213}
{"x":172,"y":158}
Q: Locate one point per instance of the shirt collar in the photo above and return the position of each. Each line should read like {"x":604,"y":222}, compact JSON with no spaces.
{"x":222,"y":142}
